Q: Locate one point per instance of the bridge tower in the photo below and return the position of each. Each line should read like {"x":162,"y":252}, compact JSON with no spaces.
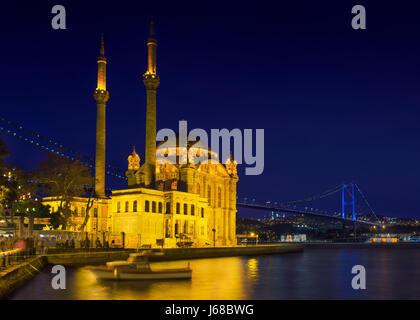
{"x":345,"y":203}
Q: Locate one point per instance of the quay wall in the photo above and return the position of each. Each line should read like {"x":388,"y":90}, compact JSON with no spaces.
{"x":87,"y":258}
{"x":198,"y":253}
{"x":16,"y":276}
{"x":92,"y":258}
{"x":361,"y":245}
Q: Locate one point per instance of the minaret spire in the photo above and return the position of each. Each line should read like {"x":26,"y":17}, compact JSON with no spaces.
{"x":151,"y":49}
{"x":102,"y":66}
{"x":102,"y":50}
{"x":152,"y":27}
{"x":151,"y":82}
{"x":101,"y":96}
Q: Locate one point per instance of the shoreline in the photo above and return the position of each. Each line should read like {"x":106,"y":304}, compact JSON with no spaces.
{"x":361,"y":245}
{"x":14,"y":277}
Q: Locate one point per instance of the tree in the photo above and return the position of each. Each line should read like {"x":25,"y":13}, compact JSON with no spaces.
{"x":63,"y":179}
{"x":18,"y":192}
{"x":5,"y":191}
{"x":4,"y":152}
{"x":32,"y":208}
{"x":88,"y":207}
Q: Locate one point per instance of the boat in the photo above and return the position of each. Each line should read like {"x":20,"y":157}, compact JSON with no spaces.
{"x":137,"y":267}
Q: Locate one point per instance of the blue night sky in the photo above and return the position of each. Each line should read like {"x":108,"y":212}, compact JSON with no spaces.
{"x":337,"y":104}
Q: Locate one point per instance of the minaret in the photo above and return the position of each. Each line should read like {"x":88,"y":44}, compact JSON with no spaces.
{"x":151,"y":82}
{"x":101,"y":96}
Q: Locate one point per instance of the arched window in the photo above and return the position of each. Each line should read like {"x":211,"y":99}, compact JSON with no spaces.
{"x":168,"y":207}
{"x":219,"y":197}
{"x":160,"y":207}
{"x":118,"y":206}
{"x":76,"y":212}
{"x":209,"y":194}
{"x":202,"y":212}
{"x":153,"y":206}
{"x":198,"y":188}
{"x":126,"y":206}
{"x":135,"y":206}
{"x":147,"y":206}
{"x":185,"y":208}
{"x":192,"y":210}
{"x":178,"y":208}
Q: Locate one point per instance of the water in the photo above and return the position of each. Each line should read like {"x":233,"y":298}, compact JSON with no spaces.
{"x":392,"y":273}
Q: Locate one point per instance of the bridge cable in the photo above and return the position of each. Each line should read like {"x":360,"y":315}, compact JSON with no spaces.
{"x":57,"y":144}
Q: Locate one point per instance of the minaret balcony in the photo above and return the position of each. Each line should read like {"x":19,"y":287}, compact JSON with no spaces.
{"x":101,"y":95}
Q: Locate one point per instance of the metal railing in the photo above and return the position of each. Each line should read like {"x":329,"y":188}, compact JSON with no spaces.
{"x":14,"y":257}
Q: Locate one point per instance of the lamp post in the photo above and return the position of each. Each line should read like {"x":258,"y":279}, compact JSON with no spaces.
{"x":214,"y":237}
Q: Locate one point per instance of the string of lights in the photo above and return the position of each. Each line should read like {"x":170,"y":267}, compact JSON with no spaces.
{"x":55,"y":151}
{"x":58,"y":145}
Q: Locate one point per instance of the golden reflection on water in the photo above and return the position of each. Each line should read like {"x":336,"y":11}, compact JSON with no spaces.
{"x":221,"y":278}
{"x":252,"y":265}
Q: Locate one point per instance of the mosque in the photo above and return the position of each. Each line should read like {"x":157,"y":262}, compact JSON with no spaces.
{"x":165,"y":204}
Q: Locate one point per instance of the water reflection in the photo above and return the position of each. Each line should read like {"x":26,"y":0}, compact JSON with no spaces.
{"x":313,"y":274}
{"x":211,"y":279}
{"x":252,"y":265}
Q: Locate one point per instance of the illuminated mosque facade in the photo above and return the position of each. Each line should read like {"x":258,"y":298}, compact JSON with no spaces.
{"x":165,"y":203}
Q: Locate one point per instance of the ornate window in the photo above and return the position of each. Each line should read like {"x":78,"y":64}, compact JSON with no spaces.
{"x":202,"y":212}
{"x":126,"y":206}
{"x":135,"y":206}
{"x":153,"y":206}
{"x":185,"y":208}
{"x":147,"y":206}
{"x":209,"y":194}
{"x":178,"y":208}
{"x":160,"y":207}
{"x":168,"y":207}
{"x":192,"y":210}
{"x":118,"y":206}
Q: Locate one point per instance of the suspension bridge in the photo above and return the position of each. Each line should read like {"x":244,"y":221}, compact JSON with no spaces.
{"x":348,"y":199}
{"x":347,"y":190}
